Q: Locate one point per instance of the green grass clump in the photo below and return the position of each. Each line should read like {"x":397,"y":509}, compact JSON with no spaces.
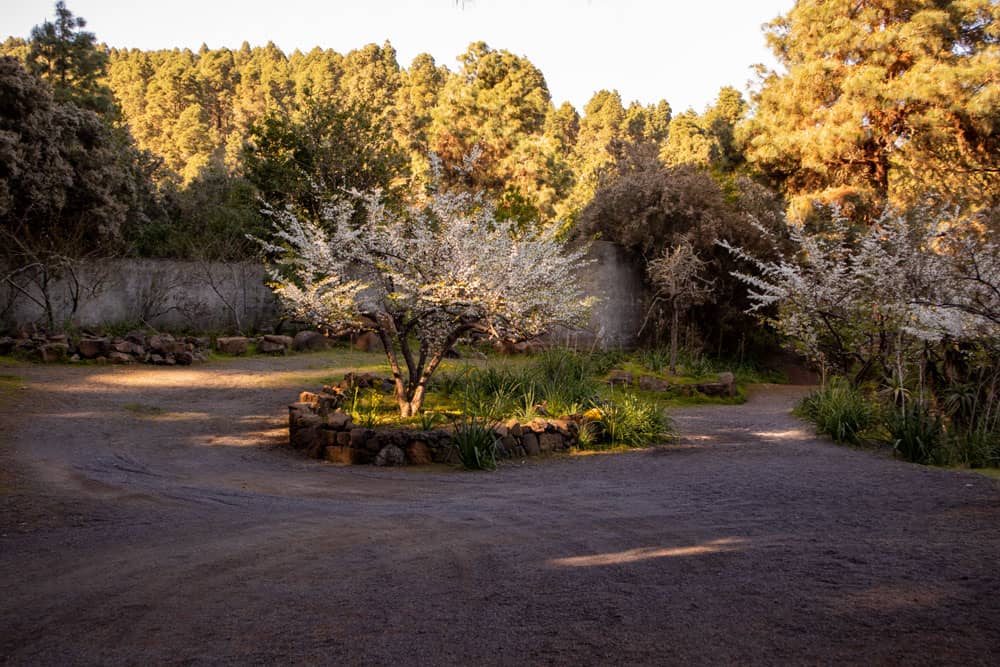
{"x":475,"y":442}
{"x":366,"y":407}
{"x":561,"y":380}
{"x":916,"y":433}
{"x":626,"y":420}
{"x":839,"y":410}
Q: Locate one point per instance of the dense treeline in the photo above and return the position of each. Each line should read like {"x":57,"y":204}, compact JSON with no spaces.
{"x":219,"y":109}
{"x":170,"y":153}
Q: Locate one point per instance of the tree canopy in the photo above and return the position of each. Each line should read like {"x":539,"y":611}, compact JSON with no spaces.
{"x":423,"y":278}
{"x":891,"y":99}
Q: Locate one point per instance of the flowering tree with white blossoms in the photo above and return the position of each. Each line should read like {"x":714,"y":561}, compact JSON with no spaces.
{"x":858,"y":300}
{"x":423,"y":278}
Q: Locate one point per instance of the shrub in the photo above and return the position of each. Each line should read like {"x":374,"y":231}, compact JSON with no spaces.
{"x":492,"y":392}
{"x":839,"y":410}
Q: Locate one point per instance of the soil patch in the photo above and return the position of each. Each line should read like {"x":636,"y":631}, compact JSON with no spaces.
{"x":152,"y":515}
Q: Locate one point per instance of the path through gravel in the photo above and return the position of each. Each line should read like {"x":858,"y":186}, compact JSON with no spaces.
{"x":150,"y":516}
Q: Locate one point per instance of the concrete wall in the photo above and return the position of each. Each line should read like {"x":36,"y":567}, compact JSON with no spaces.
{"x":164,"y":294}
{"x":617,"y":284}
{"x":213,"y":296}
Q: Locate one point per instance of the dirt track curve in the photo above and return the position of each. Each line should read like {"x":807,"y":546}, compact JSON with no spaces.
{"x":149,"y":516}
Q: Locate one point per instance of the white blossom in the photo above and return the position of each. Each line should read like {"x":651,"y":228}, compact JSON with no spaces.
{"x":429,"y":275}
{"x":854,"y":294}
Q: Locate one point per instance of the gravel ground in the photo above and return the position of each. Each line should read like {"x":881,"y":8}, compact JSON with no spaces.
{"x":150,"y":516}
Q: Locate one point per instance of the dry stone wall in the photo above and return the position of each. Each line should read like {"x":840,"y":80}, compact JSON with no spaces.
{"x":133,"y":347}
{"x":318,"y":427}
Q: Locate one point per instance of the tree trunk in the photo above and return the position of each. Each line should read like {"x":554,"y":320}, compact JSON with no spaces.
{"x":410,"y":407}
{"x":410,"y":394}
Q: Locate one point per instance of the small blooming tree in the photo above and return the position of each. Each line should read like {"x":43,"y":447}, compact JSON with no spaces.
{"x":423,"y":278}
{"x":858,"y":300}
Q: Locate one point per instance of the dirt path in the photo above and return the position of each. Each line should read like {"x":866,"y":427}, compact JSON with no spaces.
{"x":150,"y":516}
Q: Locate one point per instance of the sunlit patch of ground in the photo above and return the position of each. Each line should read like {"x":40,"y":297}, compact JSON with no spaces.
{"x":249,"y":438}
{"x":9,"y":384}
{"x":647,"y":553}
{"x":158,"y":414}
{"x":791,"y":434}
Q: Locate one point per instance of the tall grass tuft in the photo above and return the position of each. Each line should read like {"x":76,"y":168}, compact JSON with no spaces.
{"x":839,"y":410}
{"x":475,"y":442}
{"x":630,"y":421}
{"x":917,"y":433}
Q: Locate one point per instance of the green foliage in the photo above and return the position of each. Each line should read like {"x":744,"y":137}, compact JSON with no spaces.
{"x":428,"y":420}
{"x":475,"y":443}
{"x":559,"y":380}
{"x":325,"y":148}
{"x":496,"y":107}
{"x":839,"y":410}
{"x":953,"y":423}
{"x":68,"y":59}
{"x":628,"y":420}
{"x":69,"y":185}
{"x":696,"y":365}
{"x":881,"y":99}
{"x":492,"y":393}
{"x":366,"y":407}
{"x":655,"y":359}
{"x":209,"y":219}
{"x":707,"y":140}
{"x":565,"y":379}
{"x":980,"y":448}
{"x":648,"y":208}
{"x":916,"y":432}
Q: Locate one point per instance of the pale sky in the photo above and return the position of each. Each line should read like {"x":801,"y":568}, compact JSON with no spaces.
{"x":679,"y":50}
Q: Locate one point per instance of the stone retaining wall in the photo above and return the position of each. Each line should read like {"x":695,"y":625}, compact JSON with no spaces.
{"x":323,"y":431}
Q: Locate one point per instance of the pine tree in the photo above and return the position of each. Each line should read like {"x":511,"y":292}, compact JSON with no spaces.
{"x":883,"y":99}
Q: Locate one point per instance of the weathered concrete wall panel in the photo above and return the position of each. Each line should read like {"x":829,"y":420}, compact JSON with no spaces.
{"x":621,"y":298}
{"x":165,"y":294}
{"x":215,"y":296}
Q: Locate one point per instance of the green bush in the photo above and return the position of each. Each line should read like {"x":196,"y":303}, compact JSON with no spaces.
{"x":492,"y":392}
{"x":562,"y":380}
{"x":839,"y":410}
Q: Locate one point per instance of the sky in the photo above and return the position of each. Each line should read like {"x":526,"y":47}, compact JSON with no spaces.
{"x":648,"y":50}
